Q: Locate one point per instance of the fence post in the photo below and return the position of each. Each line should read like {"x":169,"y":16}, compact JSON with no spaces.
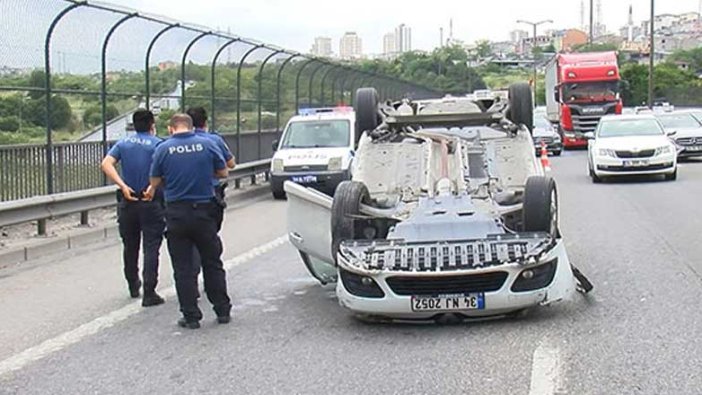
{"x":297,"y":83}
{"x":213,"y":99}
{"x":182,"y":66}
{"x":238,"y":97}
{"x":147,"y":69}
{"x":259,"y":94}
{"x":278,"y":83}
{"x":310,"y":91}
{"x":103,"y":83}
{"x":47,"y":90}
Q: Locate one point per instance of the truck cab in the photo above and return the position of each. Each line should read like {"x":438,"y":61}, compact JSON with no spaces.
{"x":316,"y":150}
{"x":581,"y":89}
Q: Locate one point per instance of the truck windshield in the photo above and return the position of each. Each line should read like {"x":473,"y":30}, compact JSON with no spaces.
{"x":317,"y":134}
{"x":678,"y":121}
{"x":591,"y":91}
{"x":630,"y":127}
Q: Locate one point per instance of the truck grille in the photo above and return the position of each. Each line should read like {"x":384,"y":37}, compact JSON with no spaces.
{"x":585,"y":123}
{"x":634,"y":154}
{"x":305,"y":168}
{"x":444,"y":256}
{"x":413,"y":285}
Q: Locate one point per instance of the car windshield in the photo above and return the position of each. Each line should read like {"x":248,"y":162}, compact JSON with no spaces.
{"x":591,"y":91}
{"x":315,"y":134}
{"x":678,"y":121}
{"x":542,"y":123}
{"x":630,"y":127}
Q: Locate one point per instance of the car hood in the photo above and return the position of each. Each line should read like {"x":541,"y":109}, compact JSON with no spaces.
{"x":691,"y":132}
{"x":543,"y":132}
{"x":632,"y":142}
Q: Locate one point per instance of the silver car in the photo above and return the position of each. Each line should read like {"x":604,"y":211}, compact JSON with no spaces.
{"x":686,"y":130}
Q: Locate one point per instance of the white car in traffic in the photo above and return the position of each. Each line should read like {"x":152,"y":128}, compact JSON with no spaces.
{"x":631,"y":145}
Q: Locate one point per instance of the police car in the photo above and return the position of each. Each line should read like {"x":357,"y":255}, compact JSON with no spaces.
{"x":315,"y":150}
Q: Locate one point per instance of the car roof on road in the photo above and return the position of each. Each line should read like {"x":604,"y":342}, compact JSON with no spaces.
{"x":628,"y":117}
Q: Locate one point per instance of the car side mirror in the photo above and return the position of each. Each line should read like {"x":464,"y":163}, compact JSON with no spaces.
{"x":589,"y":135}
{"x":671,"y":134}
{"x":275,"y":145}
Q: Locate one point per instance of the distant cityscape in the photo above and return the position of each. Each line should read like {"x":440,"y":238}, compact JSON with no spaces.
{"x":673,"y":32}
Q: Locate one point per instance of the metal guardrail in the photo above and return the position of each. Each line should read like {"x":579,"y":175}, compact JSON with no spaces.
{"x":42,"y":208}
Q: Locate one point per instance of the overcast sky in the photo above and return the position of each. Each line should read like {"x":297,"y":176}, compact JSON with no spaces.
{"x":294,"y":24}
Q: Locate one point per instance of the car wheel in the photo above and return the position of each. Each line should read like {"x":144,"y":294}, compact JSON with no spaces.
{"x":366,"y":108}
{"x":521,"y":105}
{"x":347,"y":202}
{"x":595,"y":178}
{"x":672,"y":176}
{"x":540,"y":212}
{"x":557,"y":153}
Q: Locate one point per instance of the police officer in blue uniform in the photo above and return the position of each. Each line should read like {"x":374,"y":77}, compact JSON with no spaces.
{"x":186,"y":163}
{"x":138,"y":219}
{"x":199,"y":116}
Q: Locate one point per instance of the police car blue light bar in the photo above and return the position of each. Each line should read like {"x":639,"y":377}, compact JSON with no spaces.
{"x":323,"y":110}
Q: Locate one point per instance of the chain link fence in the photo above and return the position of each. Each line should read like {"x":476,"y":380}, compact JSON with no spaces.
{"x":73,"y":72}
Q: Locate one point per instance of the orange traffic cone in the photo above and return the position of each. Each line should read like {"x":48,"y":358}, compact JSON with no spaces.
{"x":545,"y":162}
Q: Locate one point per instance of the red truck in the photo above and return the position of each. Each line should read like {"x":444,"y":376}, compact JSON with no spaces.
{"x":581,"y":88}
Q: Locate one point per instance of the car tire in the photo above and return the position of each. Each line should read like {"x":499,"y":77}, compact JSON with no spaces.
{"x":521,"y":105}
{"x":672,"y":176}
{"x":540,"y":211}
{"x":595,"y":178}
{"x":557,"y":153}
{"x":347,"y":202}
{"x":366,"y":108}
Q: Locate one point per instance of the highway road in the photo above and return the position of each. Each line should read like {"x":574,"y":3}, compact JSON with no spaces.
{"x":68,"y":327}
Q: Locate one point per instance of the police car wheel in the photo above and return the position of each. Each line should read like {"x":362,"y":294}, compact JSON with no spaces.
{"x":347,"y":202}
{"x":521,"y":105}
{"x":540,"y":211}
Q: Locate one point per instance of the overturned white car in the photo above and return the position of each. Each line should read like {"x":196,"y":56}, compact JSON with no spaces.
{"x":448,"y":213}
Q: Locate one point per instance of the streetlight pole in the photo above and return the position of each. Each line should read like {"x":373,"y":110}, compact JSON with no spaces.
{"x":652,"y":54}
{"x":534,"y":25}
{"x":592,"y":22}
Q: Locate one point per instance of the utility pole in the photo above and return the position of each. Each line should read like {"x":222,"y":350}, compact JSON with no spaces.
{"x":652,"y":53}
{"x":592,"y":21}
{"x":534,"y":25}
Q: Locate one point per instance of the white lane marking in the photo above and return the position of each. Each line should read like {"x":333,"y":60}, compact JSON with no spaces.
{"x":545,"y":370}
{"x":50,"y":346}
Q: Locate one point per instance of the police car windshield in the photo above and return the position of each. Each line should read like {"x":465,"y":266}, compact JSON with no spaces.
{"x":630,"y":127}
{"x":317,"y":134}
{"x":681,"y":121}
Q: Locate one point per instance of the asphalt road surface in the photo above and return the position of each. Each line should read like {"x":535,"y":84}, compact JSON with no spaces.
{"x":68,"y":328}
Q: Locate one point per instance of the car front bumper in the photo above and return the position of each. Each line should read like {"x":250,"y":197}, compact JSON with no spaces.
{"x":498,"y":302}
{"x":325,"y":181}
{"x":689,"y":152}
{"x":551,"y":147}
{"x":662,"y":164}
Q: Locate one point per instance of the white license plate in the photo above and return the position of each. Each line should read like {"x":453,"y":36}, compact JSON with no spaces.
{"x":448,"y":302}
{"x":304,"y":179}
{"x":635,"y":163}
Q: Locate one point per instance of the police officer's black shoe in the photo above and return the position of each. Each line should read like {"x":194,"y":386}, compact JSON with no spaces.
{"x":224,"y":319}
{"x":134,"y":289}
{"x":152,"y":299}
{"x":183,"y":323}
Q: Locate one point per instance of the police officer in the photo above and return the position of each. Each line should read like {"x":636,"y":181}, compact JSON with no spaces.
{"x":199,"y":116}
{"x":186,"y":164}
{"x":138,"y":218}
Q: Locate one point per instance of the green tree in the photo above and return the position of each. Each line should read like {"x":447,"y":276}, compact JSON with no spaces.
{"x":93,"y":114}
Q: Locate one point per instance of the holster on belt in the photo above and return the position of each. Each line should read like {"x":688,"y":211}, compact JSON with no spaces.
{"x":220,"y":194}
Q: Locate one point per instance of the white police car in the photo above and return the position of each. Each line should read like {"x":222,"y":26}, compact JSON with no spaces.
{"x":315,"y":150}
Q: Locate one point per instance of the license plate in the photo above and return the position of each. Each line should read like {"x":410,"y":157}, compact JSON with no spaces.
{"x":448,"y":302}
{"x":695,"y":148}
{"x":635,"y":163}
{"x":304,"y":179}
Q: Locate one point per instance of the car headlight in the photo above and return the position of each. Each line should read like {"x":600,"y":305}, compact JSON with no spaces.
{"x":334,"y":164}
{"x":664,"y":150}
{"x":278,"y":165}
{"x":606,"y":152}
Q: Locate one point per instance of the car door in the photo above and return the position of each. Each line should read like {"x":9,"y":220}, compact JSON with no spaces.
{"x":309,"y":229}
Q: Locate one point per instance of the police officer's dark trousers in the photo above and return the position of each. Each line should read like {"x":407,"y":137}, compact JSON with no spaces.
{"x":194,"y":225}
{"x":136,"y":219}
